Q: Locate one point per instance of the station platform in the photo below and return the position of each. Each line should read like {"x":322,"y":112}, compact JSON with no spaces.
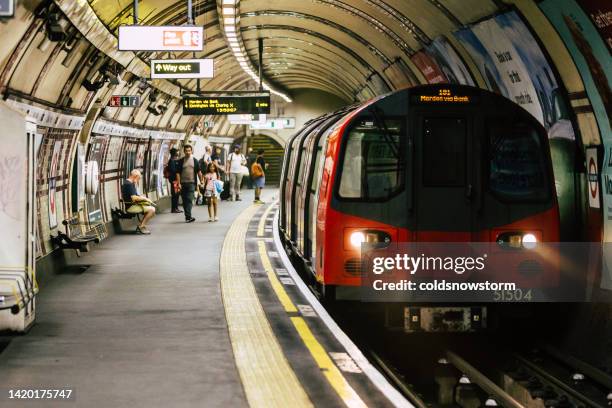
{"x":201,"y":314}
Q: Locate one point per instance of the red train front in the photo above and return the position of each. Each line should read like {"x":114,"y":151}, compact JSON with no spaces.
{"x":425,"y":164}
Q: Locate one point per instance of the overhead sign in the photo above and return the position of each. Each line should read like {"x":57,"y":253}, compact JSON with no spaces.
{"x":7,"y":8}
{"x":124,"y":101}
{"x":160,"y":38}
{"x":275,"y":124}
{"x":225,"y":105}
{"x":181,"y":69}
{"x":246,"y":119}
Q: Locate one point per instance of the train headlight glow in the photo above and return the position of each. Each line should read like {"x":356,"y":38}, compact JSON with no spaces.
{"x":357,"y":238}
{"x":529,"y":241}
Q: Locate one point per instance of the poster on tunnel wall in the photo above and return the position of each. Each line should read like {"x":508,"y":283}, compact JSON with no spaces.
{"x":592,"y":58}
{"x":429,"y":68}
{"x":600,"y":13}
{"x":12,"y":191}
{"x":450,"y":63}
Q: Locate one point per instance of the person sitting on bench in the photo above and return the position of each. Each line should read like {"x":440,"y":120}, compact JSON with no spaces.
{"x":135,"y":203}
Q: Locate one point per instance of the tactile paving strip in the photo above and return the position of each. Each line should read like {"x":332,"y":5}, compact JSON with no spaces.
{"x":267,"y":377}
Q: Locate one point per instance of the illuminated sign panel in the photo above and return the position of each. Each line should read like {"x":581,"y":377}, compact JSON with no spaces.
{"x":124,"y":101}
{"x":225,"y":105}
{"x":7,"y":8}
{"x":444,"y":96}
{"x":180,"y":69}
{"x":160,"y":38}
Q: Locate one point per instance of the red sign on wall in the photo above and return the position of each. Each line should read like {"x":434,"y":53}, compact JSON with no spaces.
{"x":430,"y":69}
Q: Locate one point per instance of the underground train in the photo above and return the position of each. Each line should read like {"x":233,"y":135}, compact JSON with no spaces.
{"x":432,"y":163}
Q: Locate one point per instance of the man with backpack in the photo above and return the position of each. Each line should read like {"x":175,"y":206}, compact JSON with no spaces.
{"x":235,"y":163}
{"x":258,"y":173}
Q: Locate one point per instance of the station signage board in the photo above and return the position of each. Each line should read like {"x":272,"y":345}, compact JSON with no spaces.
{"x":124,"y":101}
{"x":7,"y":8}
{"x":246,"y":119}
{"x":226,"y":105}
{"x":182,"y":69}
{"x":275,"y":124}
{"x":160,"y":38}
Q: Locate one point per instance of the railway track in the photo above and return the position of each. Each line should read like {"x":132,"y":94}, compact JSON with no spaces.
{"x":546,"y":378}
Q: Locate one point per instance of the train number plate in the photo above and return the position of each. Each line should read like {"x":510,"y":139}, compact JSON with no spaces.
{"x":445,"y":319}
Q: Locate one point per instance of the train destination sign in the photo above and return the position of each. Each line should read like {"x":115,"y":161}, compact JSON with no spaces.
{"x":443,"y":95}
{"x":7,"y":8}
{"x":181,"y":69}
{"x":160,"y":38}
{"x":124,"y":101}
{"x":225,"y":105}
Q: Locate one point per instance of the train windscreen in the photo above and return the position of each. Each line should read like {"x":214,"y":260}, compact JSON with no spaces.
{"x":518,"y":170}
{"x":373,"y":168}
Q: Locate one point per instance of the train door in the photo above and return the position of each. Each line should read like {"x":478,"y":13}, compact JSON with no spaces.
{"x":444,"y":160}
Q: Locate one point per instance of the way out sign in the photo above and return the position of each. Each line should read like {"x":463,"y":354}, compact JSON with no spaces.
{"x":181,"y":69}
{"x":160,"y":38}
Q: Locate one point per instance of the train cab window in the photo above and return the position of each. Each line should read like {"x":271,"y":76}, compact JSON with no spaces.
{"x":444,"y":152}
{"x":373,"y":165}
{"x":517,"y":169}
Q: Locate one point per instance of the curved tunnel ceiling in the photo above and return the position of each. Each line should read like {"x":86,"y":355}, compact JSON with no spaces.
{"x":332,"y":45}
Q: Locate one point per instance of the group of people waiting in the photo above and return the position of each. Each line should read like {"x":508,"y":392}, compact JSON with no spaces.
{"x":189,"y":176}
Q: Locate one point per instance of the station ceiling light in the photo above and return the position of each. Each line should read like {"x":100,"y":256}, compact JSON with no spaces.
{"x":231,"y":30}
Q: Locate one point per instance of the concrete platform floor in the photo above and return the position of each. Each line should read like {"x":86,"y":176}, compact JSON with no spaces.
{"x":143,"y":326}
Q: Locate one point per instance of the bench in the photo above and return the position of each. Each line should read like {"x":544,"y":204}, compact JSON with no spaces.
{"x":122,"y":214}
{"x":76,"y":237}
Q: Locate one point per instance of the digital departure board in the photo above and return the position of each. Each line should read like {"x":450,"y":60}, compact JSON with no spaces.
{"x":444,"y":96}
{"x":225,"y":105}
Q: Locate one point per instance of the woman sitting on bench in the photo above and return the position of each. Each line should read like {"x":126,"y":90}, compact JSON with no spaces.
{"x":135,"y":203}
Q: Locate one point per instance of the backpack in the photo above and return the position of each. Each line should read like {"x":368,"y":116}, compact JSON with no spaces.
{"x":256,"y":170}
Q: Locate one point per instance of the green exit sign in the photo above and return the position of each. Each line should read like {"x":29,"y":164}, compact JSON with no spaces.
{"x":124,"y":101}
{"x":7,"y":8}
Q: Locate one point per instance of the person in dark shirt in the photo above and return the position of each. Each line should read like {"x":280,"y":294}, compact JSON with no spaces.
{"x":189,"y":176}
{"x":258,"y":172}
{"x":136,"y":203}
{"x":174,"y":188}
{"x":216,"y":158}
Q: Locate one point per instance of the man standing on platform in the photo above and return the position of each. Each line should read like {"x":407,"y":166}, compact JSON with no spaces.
{"x":189,"y":176}
{"x":175,"y":190}
{"x":235,"y":162}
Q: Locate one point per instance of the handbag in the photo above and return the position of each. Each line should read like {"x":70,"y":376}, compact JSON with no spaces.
{"x":244,"y":170}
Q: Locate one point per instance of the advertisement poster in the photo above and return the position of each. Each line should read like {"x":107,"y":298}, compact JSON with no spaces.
{"x":511,"y":71}
{"x":52,"y":206}
{"x":449,"y":62}
{"x":600,"y":13}
{"x":94,"y":207}
{"x":161,"y":159}
{"x":592,"y":58}
{"x":12,"y":192}
{"x":428,"y":66}
{"x":55,"y":157}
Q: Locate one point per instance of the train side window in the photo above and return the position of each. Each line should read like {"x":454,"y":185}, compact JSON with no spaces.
{"x":373,"y":165}
{"x":444,"y":152}
{"x":518,"y":167}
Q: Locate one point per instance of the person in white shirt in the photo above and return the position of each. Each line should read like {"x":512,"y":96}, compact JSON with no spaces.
{"x":234,"y":167}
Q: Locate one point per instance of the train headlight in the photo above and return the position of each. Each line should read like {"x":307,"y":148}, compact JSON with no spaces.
{"x":357,"y":238}
{"x":529,"y":241}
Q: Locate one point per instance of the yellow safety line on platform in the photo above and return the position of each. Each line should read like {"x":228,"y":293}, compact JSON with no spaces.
{"x":327,"y":366}
{"x":267,"y":377}
{"x":262,"y":222}
{"x":325,"y":363}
